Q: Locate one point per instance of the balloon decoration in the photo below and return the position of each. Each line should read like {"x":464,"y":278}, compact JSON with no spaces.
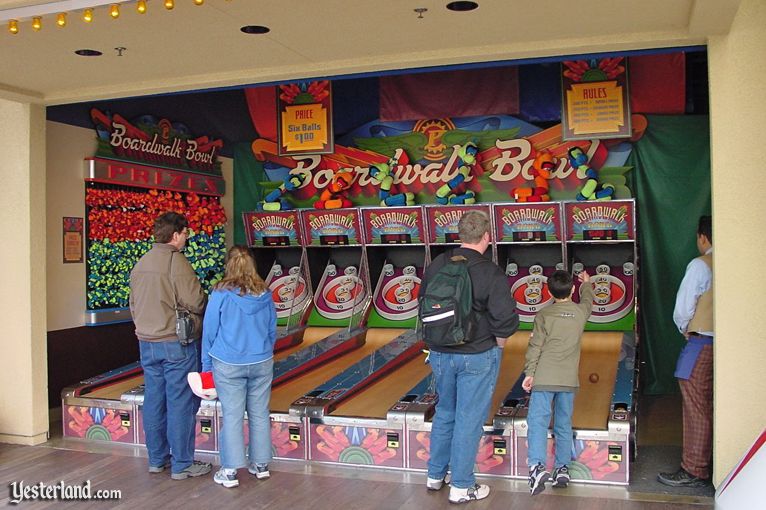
{"x":120,"y":232}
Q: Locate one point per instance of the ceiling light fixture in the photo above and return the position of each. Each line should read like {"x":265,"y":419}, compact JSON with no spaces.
{"x":462,"y":6}
{"x":51,"y":8}
{"x":420,"y":11}
{"x":255,"y":29}
{"x":88,"y":53}
{"x":61,"y":8}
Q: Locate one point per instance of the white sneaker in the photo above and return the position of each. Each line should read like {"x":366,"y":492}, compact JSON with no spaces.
{"x":435,"y":484}
{"x":261,"y":471}
{"x":226,"y":477}
{"x":475,"y":493}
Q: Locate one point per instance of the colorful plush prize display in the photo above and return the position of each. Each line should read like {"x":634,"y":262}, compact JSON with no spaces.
{"x":120,"y":225}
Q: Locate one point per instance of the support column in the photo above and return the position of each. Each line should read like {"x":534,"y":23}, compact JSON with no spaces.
{"x":23,"y":362}
{"x":737,"y":114}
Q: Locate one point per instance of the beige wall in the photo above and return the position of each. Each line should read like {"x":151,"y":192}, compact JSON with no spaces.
{"x":23,"y":407}
{"x":738,"y":119}
{"x":66,"y":149}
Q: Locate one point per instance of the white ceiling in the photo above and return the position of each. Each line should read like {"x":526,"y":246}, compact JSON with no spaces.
{"x":197,"y":47}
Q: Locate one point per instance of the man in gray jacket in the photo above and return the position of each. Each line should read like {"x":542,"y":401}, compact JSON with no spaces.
{"x":161,"y":281}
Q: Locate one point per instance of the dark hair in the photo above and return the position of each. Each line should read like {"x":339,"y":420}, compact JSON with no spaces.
{"x":560,"y":284}
{"x":705,"y":228}
{"x":472,"y":226}
{"x":168,"y":224}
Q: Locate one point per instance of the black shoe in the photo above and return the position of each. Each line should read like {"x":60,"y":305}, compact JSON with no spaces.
{"x":537,"y":478}
{"x":682,"y":478}
{"x":560,"y":477}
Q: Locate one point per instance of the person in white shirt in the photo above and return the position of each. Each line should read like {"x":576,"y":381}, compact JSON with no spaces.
{"x":693,"y":314}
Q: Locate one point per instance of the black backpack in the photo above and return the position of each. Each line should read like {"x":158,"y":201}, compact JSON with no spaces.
{"x":444,"y":310}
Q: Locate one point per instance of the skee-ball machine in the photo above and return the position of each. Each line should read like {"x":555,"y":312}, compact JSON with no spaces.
{"x":277,"y":243}
{"x":396,"y":251}
{"x":347,"y":414}
{"x":417,"y":405}
{"x":441,"y":225}
{"x":529,"y":248}
{"x":600,"y":238}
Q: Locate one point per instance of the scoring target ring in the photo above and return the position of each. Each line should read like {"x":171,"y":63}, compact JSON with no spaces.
{"x":288,"y":291}
{"x":339,"y":296}
{"x":400,"y":293}
{"x":609,"y":293}
{"x":531,"y":298}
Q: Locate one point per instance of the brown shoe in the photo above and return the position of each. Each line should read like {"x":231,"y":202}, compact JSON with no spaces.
{"x":682,"y":478}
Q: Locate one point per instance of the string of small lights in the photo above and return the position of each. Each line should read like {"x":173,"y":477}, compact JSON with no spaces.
{"x":62,"y":9}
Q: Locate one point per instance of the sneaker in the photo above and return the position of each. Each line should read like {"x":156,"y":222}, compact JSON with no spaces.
{"x":226,"y":477}
{"x":435,"y":484}
{"x":261,"y":471}
{"x":196,"y":468}
{"x":560,"y":477}
{"x":475,"y":493}
{"x":159,"y":469}
{"x":682,"y":478}
{"x":537,"y":478}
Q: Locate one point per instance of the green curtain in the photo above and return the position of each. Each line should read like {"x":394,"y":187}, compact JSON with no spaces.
{"x":671,"y":183}
{"x":248,"y":173}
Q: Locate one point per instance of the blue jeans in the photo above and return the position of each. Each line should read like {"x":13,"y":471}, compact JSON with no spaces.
{"x":241,"y":387}
{"x":170,"y":407}
{"x":465,"y":384}
{"x":538,"y":419}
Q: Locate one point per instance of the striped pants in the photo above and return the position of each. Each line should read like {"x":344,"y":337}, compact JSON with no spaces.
{"x":697,"y":400}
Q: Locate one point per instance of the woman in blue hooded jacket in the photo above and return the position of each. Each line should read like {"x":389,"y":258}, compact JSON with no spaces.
{"x":238,"y":338}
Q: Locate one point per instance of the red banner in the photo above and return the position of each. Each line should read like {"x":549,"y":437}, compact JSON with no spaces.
{"x":658,"y":83}
{"x":262,"y":103}
{"x":450,"y":94}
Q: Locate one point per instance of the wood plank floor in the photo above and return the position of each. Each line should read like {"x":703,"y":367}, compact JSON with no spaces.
{"x":293,"y":485}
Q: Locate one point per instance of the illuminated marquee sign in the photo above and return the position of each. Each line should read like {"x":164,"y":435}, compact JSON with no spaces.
{"x":442,"y":221}
{"x":396,"y":225}
{"x":600,"y":221}
{"x":278,"y":228}
{"x":140,"y":176}
{"x":332,"y":227}
{"x":528,"y":222}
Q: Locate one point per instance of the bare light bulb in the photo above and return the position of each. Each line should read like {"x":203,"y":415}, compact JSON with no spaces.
{"x":199,"y":2}
{"x":114,"y":11}
{"x":13,"y":26}
{"x":141,"y":6}
{"x":169,"y":4}
{"x":87,"y":15}
{"x":61,"y":19}
{"x":37,"y":23}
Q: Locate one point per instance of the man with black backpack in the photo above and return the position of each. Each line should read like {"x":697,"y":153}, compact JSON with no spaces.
{"x":465,"y":339}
